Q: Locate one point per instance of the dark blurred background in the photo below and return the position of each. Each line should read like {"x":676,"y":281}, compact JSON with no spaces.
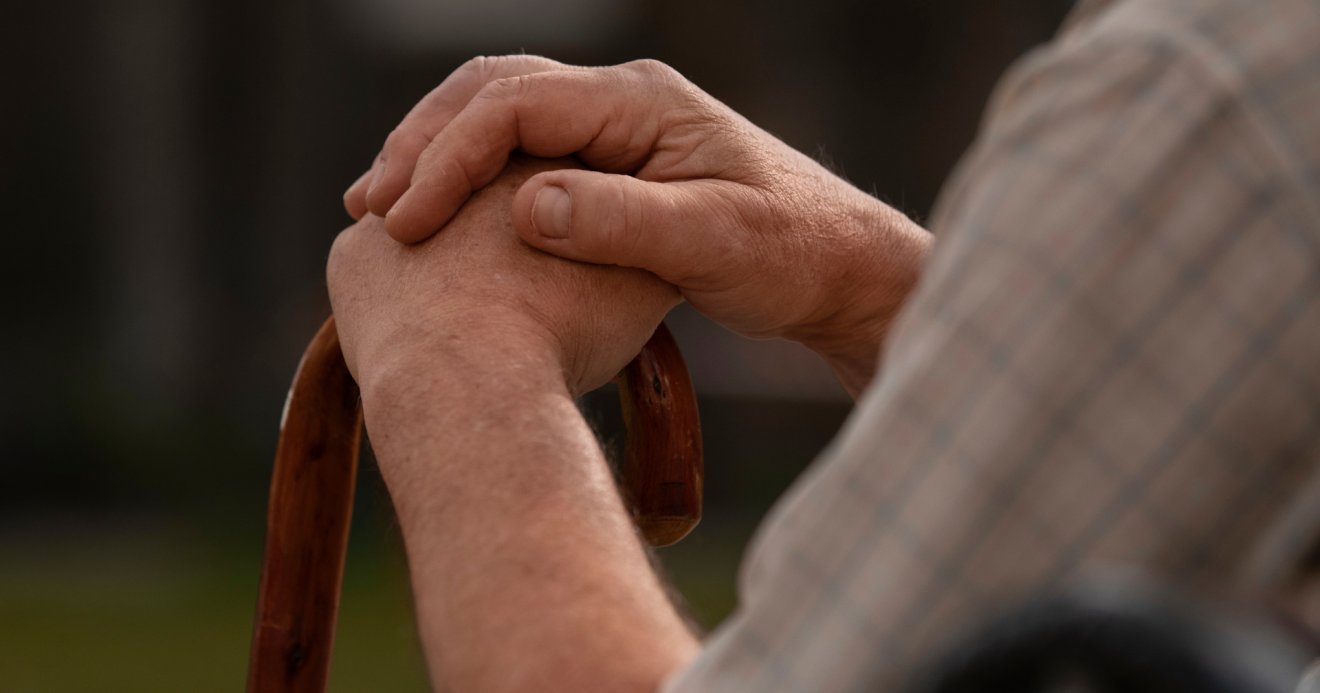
{"x":172,"y":176}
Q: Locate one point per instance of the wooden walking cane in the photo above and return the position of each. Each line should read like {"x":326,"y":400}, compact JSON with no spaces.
{"x":311,"y":496}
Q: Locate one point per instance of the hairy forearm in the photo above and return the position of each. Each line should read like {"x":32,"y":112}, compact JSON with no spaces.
{"x":526,"y":570}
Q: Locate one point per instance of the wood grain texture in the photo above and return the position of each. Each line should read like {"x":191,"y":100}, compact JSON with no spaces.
{"x":662,"y":466}
{"x":311,"y":503}
{"x":311,"y":496}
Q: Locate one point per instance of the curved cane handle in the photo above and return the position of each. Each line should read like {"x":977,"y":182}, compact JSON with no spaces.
{"x":311,"y":496}
{"x":311,"y":502}
{"x":662,"y":466}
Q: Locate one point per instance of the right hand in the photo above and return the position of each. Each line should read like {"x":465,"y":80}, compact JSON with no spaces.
{"x":756,"y":235}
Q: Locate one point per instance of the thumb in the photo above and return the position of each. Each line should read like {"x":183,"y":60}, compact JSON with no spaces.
{"x":675,"y":230}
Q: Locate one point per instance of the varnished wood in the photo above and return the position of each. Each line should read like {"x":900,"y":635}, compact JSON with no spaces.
{"x":311,"y":496}
{"x":662,"y":465}
{"x":311,"y":502}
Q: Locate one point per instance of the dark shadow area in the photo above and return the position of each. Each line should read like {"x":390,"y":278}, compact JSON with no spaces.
{"x":173,"y":172}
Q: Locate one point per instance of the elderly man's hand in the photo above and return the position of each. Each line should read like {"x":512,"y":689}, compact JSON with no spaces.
{"x":477,"y":293}
{"x":756,"y":235}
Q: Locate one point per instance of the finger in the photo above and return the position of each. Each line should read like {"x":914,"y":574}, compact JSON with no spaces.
{"x":355,"y":198}
{"x":680,"y":231}
{"x":433,"y":113}
{"x":609,"y":117}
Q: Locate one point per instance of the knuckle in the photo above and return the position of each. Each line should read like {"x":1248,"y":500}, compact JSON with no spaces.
{"x":507,"y":88}
{"x":626,"y":219}
{"x":649,"y":67}
{"x":662,"y":82}
{"x":393,"y":141}
{"x":481,"y":65}
{"x":492,"y":91}
{"x":487,"y":67}
{"x":404,"y":142}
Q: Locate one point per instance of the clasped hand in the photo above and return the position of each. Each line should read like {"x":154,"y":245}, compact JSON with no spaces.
{"x":754,"y":234}
{"x":475,"y":294}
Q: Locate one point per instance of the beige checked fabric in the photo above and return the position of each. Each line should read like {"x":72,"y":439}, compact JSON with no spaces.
{"x":1112,"y":361}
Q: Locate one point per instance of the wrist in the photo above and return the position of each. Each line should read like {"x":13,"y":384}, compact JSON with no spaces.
{"x":453,"y":396}
{"x":458,"y":355}
{"x":880,"y":267}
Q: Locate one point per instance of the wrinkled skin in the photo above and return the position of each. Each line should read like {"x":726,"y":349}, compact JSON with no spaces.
{"x":756,"y":235}
{"x":397,"y":306}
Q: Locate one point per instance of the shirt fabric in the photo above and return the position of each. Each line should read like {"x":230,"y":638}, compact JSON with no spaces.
{"x":1112,"y":359}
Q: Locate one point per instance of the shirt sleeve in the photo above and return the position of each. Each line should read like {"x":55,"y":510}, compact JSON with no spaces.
{"x":1110,"y":362}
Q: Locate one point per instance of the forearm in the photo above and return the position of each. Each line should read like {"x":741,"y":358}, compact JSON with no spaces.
{"x":527,"y":572}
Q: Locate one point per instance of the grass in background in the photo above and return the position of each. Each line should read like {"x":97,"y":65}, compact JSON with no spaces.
{"x":117,"y":609}
{"x":166,"y":604}
{"x":121,"y":612}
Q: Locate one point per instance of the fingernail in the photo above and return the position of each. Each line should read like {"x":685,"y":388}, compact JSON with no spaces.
{"x":552,"y":211}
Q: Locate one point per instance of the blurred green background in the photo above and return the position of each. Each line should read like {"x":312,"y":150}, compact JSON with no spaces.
{"x":172,"y":172}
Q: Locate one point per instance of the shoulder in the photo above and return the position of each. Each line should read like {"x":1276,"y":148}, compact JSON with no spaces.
{"x":1247,"y":45}
{"x":1247,"y":68}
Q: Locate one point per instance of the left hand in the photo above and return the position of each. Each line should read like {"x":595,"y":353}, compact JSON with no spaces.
{"x":479,"y":291}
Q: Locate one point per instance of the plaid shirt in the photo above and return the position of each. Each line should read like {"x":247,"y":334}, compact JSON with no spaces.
{"x":1112,"y":360}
